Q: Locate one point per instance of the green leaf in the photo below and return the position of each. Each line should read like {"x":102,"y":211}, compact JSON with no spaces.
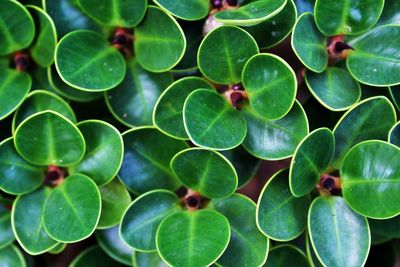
{"x":273,"y":140}
{"x":347,"y":16}
{"x":80,"y":208}
{"x":251,"y":13}
{"x":16,"y":27}
{"x":311,"y":158}
{"x":211,"y":122}
{"x":184,"y":9}
{"x":132,"y":101}
{"x":360,"y":123}
{"x":115,"y":199}
{"x":40,"y":100}
{"x":280,"y":215}
{"x":16,"y":175}
{"x":7,"y":235}
{"x":388,"y":228}
{"x":117,"y":13}
{"x":221,"y":59}
{"x":145,"y":166}
{"x":14,"y":87}
{"x":146,"y":259}
{"x":370,"y":183}
{"x":274,"y":30}
{"x":394,"y":135}
{"x":143,"y":217}
{"x":247,"y":246}
{"x":27,"y":218}
{"x":309,"y":44}
{"x":167,"y":114}
{"x":86,"y":61}
{"x":205,"y":171}
{"x":48,"y":138}
{"x":94,"y":256}
{"x":104,"y":151}
{"x":286,"y":255}
{"x":112,"y":244}
{"x":60,"y":247}
{"x":159,"y":41}
{"x":11,"y":256}
{"x":271,"y":85}
{"x":44,"y":45}
{"x":189,"y":239}
{"x":394,"y":92}
{"x":390,"y":13}
{"x":334,"y":228}
{"x":373,"y":61}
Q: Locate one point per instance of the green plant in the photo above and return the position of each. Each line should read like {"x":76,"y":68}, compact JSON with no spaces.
{"x":210,"y":97}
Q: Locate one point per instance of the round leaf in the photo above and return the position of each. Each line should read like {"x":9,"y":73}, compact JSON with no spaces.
{"x":86,"y":61}
{"x":145,"y":166}
{"x":7,"y":235}
{"x":221,"y":59}
{"x":370,"y":183}
{"x":247,"y":246}
{"x":334,"y":228}
{"x":394,"y":92}
{"x":373,"y":61}
{"x":27,"y":217}
{"x":390,"y":13}
{"x":80,"y":209}
{"x":273,"y":140}
{"x":11,"y":256}
{"x":132,"y":101}
{"x":334,"y":88}
{"x":119,"y":13}
{"x":145,"y":259}
{"x":60,"y":247}
{"x":347,"y":16}
{"x":141,"y":220}
{"x":167,"y":115}
{"x":159,"y":41}
{"x":94,"y":256}
{"x":189,"y":239}
{"x":47,"y":138}
{"x":394,"y":135}
{"x":16,"y":27}
{"x":205,"y":171}
{"x":280,"y":215}
{"x":309,"y":44}
{"x":184,"y":9}
{"x":271,"y":85}
{"x":211,"y":122}
{"x":311,"y":158}
{"x":286,"y":255}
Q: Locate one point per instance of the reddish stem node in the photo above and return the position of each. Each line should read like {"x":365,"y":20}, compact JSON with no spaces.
{"x":192,"y":200}
{"x":337,"y":48}
{"x":21,"y":61}
{"x":54,"y":176}
{"x":329,"y":185}
{"x":122,"y":39}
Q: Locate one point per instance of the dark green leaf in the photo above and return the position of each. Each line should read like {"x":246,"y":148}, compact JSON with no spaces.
{"x":7,"y":235}
{"x":394,"y":92}
{"x":11,"y":256}
{"x":146,"y":259}
{"x":184,"y":9}
{"x":60,"y":247}
{"x":94,"y":256}
{"x":390,"y":13}
{"x":286,"y":255}
{"x":387,"y":228}
{"x":394,"y":135}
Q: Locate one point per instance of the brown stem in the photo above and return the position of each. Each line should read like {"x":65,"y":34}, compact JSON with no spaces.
{"x":235,"y":95}
{"x":338,"y":49}
{"x":192,"y":200}
{"x":54,"y":176}
{"x":329,"y":185}
{"x":21,"y":61}
{"x":122,"y":39}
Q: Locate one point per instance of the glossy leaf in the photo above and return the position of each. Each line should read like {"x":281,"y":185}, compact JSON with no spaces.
{"x":16,"y":175}
{"x":311,"y":158}
{"x":132,"y":101}
{"x":147,"y":154}
{"x":184,"y":9}
{"x":145,"y":259}
{"x":7,"y":235}
{"x":47,"y":138}
{"x":44,"y":45}
{"x":60,"y":247}
{"x":394,"y":135}
{"x":86,"y":61}
{"x":80,"y":208}
{"x":270,"y":84}
{"x":370,"y":183}
{"x":168,"y":110}
{"x":333,"y":229}
{"x":220,"y":59}
{"x":11,"y":256}
{"x":159,"y":41}
{"x":247,"y":246}
{"x":27,"y":218}
{"x":104,"y":151}
{"x":211,"y":122}
{"x":205,"y":171}
{"x":117,"y":13}
{"x":115,"y":199}
{"x":14,"y":87}
{"x":359,"y":124}
{"x":94,"y":256}
{"x":390,"y":13}
{"x":373,"y":61}
{"x":280,"y":215}
{"x":309,"y":44}
{"x":394,"y":92}
{"x":286,"y":255}
{"x":177,"y":233}
{"x":16,"y":27}
{"x":141,"y":220}
{"x":251,"y":13}
{"x":273,"y":140}
{"x":347,"y":16}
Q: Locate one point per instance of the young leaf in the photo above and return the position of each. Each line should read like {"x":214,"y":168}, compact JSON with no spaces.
{"x":60,"y":247}
{"x":334,"y":227}
{"x":94,"y":256}
{"x":184,"y":9}
{"x":7,"y":235}
{"x":189,"y":239}
{"x":12,"y":256}
{"x":286,"y":255}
